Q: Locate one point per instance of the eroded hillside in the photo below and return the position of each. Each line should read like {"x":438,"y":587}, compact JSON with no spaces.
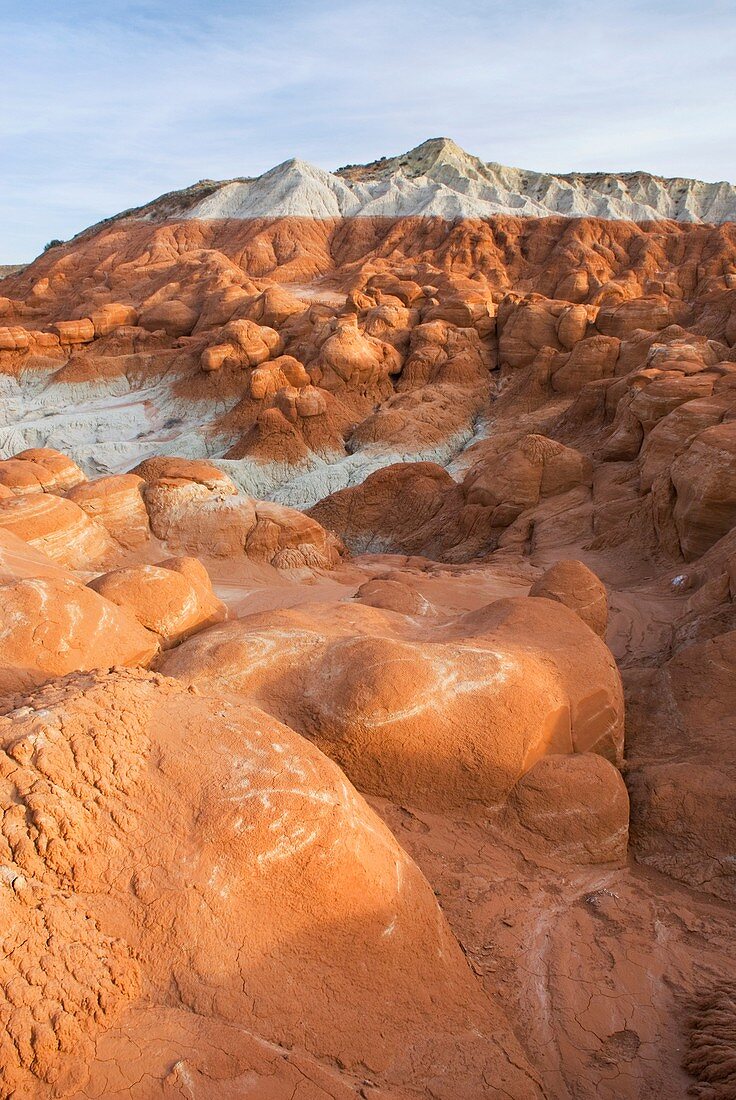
{"x":367,"y":659}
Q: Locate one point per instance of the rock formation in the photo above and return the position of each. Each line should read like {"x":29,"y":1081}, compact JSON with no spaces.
{"x":172,"y":599}
{"x":368,"y":641}
{"x":572,"y":583}
{"x":438,"y":719}
{"x":267,"y":802}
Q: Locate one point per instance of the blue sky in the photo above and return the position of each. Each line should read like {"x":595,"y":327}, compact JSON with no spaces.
{"x":106,"y":105}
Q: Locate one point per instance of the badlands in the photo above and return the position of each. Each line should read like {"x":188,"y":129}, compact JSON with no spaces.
{"x":368,"y":641}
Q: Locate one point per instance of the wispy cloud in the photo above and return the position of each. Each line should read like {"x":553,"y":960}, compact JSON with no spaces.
{"x":105,"y":106}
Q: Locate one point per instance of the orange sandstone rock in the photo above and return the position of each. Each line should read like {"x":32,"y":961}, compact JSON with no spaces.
{"x":446,"y":721}
{"x":289,"y":911}
{"x":116,"y":503}
{"x":39,"y":470}
{"x":574,"y":807}
{"x":173,"y":317}
{"x":112,"y":316}
{"x":186,"y":469}
{"x":173,"y":599}
{"x":75,"y":332}
{"x":54,"y":624}
{"x":193,"y":519}
{"x":576,"y":586}
{"x":58,"y":527}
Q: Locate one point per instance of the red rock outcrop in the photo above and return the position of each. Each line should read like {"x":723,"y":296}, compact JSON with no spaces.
{"x":704,"y":478}
{"x":58,"y":527}
{"x":351,"y":359}
{"x":481,"y":407}
{"x":193,"y":519}
{"x":116,"y":503}
{"x":244,"y":344}
{"x":171,"y":316}
{"x":40,"y":470}
{"x":296,"y":949}
{"x":75,"y":332}
{"x":576,"y":807}
{"x":112,"y":316}
{"x":172,"y":599}
{"x":54,"y":625}
{"x":182,"y":469}
{"x":572,"y":583}
{"x":419,"y":508}
{"x":448,"y":720}
{"x":683,"y":785}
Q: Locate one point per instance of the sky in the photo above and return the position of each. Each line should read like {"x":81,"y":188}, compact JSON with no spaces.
{"x":106,"y":105}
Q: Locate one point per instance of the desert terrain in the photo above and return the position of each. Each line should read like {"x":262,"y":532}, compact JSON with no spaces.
{"x":368,"y":641}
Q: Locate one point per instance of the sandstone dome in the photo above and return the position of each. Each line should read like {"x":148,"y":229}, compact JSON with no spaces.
{"x":56,"y":625}
{"x":58,"y":527}
{"x":115,"y":503}
{"x":172,"y":599}
{"x":576,"y":806}
{"x":40,"y":470}
{"x":449,"y":720}
{"x":576,"y":586}
{"x":289,"y":910}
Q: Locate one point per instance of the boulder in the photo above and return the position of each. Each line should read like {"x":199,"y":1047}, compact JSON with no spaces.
{"x":350,"y":358}
{"x":53,"y":625}
{"x":192,"y":519}
{"x":39,"y":470}
{"x":577,"y":587}
{"x":116,"y":503}
{"x":59,"y":528}
{"x":574,"y":808}
{"x":518,"y":477}
{"x":173,"y":599}
{"x":112,"y":316}
{"x":74,"y":332}
{"x":173,"y":317}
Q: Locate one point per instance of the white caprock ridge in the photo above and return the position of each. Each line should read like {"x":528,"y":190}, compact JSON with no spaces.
{"x":439,"y":179}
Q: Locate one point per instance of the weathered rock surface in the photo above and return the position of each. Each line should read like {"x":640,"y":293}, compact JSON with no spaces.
{"x":439,"y":179}
{"x":191,"y":518}
{"x":360,"y":416}
{"x":39,"y":470}
{"x":116,"y":503}
{"x":289,"y":903}
{"x":172,"y":599}
{"x":572,"y":583}
{"x":58,"y":527}
{"x":683,"y":783}
{"x":443,"y":719}
{"x":54,"y":625}
{"x":576,"y":807}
